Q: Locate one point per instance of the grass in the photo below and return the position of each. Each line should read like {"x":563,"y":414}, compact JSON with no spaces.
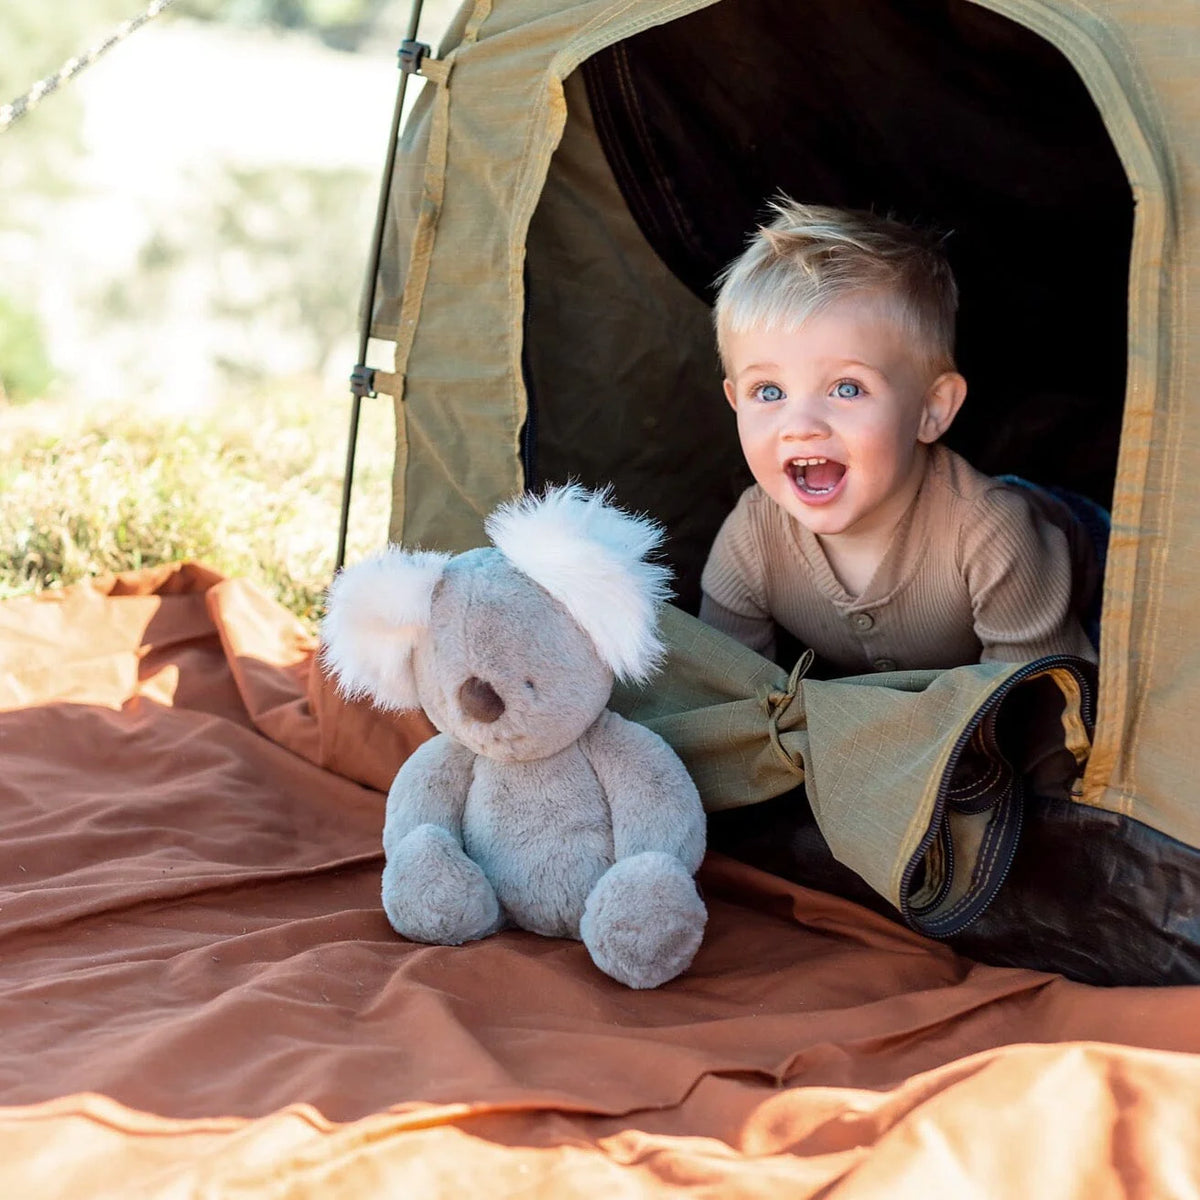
{"x":252,"y":487}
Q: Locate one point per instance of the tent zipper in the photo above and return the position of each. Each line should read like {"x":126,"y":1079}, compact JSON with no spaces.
{"x":937,"y":823}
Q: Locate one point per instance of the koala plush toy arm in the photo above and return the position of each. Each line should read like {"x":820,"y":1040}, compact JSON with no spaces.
{"x":423,"y":841}
{"x":535,"y":805}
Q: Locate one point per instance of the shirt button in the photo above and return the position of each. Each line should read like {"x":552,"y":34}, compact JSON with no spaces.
{"x":862,"y":621}
{"x":884,"y":664}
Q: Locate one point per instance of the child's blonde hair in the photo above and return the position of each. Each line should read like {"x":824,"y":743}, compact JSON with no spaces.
{"x":810,"y":256}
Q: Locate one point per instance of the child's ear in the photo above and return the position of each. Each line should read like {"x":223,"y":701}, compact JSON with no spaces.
{"x":731,"y":394}
{"x":942,"y":402}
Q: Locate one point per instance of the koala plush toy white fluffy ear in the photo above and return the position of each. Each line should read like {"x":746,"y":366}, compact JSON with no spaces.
{"x":592,"y":558}
{"x":376,"y":611}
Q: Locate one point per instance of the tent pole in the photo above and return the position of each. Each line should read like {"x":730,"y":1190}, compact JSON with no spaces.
{"x":362,"y":378}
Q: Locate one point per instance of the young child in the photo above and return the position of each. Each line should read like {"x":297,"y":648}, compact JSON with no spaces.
{"x":863,"y":536}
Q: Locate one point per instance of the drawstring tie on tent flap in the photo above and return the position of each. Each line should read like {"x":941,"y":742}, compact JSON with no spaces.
{"x":777,"y":705}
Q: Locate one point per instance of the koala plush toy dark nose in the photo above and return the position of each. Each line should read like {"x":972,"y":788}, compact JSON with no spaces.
{"x":480,"y":701}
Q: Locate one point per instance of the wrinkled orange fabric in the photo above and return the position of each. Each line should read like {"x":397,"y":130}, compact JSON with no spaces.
{"x":199,"y":993}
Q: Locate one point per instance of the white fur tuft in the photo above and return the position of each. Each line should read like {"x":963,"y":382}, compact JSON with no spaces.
{"x":591,"y":557}
{"x":375,"y":612}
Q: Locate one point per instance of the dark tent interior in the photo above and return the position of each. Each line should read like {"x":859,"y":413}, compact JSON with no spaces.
{"x":939,"y":112}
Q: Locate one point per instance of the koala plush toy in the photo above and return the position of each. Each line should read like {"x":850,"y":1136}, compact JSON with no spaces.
{"x":535,"y":805}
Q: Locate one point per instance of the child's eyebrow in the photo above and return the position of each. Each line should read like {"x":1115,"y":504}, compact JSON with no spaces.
{"x":826,"y":365}
{"x":854,"y":364}
{"x":758,"y":366}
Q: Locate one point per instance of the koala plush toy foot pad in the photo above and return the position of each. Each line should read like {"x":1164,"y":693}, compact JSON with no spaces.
{"x":614,"y":927}
{"x":535,"y":805}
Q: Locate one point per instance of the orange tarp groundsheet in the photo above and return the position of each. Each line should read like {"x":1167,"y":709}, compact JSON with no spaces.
{"x":199,"y":994}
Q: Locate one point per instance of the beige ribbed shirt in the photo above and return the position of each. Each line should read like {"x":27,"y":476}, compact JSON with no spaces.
{"x":977,"y":570}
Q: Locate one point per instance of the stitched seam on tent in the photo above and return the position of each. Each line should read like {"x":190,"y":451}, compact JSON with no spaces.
{"x":433,"y":190}
{"x":989,"y":852}
{"x":661,"y":178}
{"x":531,"y":181}
{"x":1164,"y":313}
{"x":522,"y":217}
{"x":433,"y":186}
{"x":984,"y":784}
{"x":596,"y":34}
{"x":534,"y":181}
{"x":926,"y":808}
{"x":558,"y":68}
{"x":1095,"y":59}
{"x":919,"y":825}
{"x":1172,"y":455}
{"x":628,"y":175}
{"x":603,"y":20}
{"x":1118,"y":685}
{"x":1084,"y":53}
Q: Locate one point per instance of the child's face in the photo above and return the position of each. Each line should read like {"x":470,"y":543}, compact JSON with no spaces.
{"x":832,"y":416}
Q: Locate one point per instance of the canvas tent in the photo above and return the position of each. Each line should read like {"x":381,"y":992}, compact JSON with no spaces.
{"x":572,"y":180}
{"x":199,"y":991}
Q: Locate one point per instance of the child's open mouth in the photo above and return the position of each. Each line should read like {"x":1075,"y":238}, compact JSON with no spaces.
{"x":816,"y":479}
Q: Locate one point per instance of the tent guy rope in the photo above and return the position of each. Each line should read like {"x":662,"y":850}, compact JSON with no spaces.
{"x":11,"y":113}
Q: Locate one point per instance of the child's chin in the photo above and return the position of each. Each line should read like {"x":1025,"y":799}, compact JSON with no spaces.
{"x":822,"y":521}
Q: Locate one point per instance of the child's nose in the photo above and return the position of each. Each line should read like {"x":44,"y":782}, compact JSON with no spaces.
{"x":805,"y":419}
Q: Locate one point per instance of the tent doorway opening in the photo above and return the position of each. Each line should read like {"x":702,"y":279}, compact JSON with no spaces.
{"x":940,"y":112}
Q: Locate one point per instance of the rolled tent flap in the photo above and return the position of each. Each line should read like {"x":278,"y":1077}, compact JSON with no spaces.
{"x":916,"y":780}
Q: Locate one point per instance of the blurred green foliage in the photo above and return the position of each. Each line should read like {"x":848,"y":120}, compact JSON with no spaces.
{"x":38,"y":167}
{"x":257,"y":217}
{"x":35,"y":40}
{"x":39,"y":153}
{"x":25,"y":370}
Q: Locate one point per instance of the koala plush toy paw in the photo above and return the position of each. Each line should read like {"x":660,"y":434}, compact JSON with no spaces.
{"x":535,"y":805}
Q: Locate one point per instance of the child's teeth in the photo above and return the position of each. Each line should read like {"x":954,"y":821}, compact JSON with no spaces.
{"x":800,"y":467}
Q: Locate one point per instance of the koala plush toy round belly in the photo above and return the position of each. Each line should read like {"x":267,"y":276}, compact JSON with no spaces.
{"x":535,"y":805}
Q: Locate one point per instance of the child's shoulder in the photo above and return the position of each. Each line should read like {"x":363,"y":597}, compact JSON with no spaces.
{"x":957,"y":480}
{"x":984,"y":515}
{"x":969,"y":498}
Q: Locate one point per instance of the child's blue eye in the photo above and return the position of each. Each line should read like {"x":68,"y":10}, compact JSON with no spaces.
{"x":769,"y":392}
{"x":847,"y":390}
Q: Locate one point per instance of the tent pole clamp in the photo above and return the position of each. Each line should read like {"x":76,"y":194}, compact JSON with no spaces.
{"x":362,"y":382}
{"x":411,"y":55}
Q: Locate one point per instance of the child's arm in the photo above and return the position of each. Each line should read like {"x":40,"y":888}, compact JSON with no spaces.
{"x":756,"y":632}
{"x":732,"y":586}
{"x":1018,"y":569}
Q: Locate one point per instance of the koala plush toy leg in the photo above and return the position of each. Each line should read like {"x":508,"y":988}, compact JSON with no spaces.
{"x":432,"y":892}
{"x":643,"y":920}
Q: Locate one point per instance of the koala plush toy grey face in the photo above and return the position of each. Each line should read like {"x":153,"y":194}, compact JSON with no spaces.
{"x":510,"y":649}
{"x":504,"y":668}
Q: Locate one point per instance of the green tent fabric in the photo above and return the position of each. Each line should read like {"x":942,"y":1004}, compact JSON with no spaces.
{"x":545,"y":327}
{"x":910,"y":784}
